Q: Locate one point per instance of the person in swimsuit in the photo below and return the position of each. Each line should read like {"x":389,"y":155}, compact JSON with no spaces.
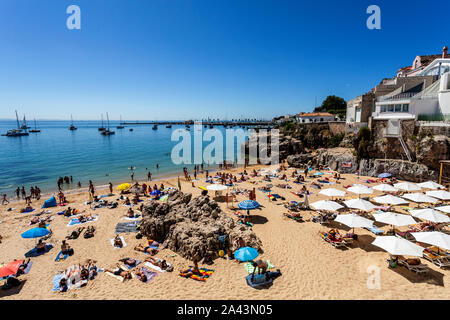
{"x":146,"y":249}
{"x":158,"y":262}
{"x":192,"y":271}
{"x":22,"y":267}
{"x":118,"y":242}
{"x":120,"y":272}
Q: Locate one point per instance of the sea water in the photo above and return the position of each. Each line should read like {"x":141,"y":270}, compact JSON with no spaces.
{"x":40,"y":158}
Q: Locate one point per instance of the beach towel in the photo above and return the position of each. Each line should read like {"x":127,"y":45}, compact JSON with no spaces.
{"x":33,"y":252}
{"x":56,"y":280}
{"x":28,"y":210}
{"x":136,"y":264}
{"x":249,"y":267}
{"x":124,"y":227}
{"x":28,"y":268}
{"x":61,"y":256}
{"x":123,"y":241}
{"x":375,"y":230}
{"x":136,"y":217}
{"x":206,"y":273}
{"x":149,"y":274}
{"x":75,"y":221}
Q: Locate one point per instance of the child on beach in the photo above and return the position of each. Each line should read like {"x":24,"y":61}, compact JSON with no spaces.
{"x":4,"y":201}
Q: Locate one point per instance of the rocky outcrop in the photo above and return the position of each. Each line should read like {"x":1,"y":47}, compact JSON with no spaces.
{"x":432,"y":149}
{"x":402,"y":170}
{"x":193,"y":227}
{"x":300,"y":160}
{"x":341,"y":160}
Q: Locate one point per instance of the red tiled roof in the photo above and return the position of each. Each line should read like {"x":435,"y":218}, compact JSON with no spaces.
{"x":314,"y":114}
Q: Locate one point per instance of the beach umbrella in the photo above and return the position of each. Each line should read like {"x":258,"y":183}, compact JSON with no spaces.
{"x":246,"y":254}
{"x":385,"y":188}
{"x":395,"y":219}
{"x":35,"y":233}
{"x":354,"y":221}
{"x":216,"y":187}
{"x":384,"y":175}
{"x":445,"y":209}
{"x":326,"y":205}
{"x":123,"y":186}
{"x":419,"y":197}
{"x":248,"y":205}
{"x":440,"y":194}
{"x":155,"y":192}
{"x":431,"y":185}
{"x":359,"y":204}
{"x":430,"y":215}
{"x":10,"y":268}
{"x":435,"y":238}
{"x":332,"y":192}
{"x":360,"y":189}
{"x":407,"y":186}
{"x":398,"y":246}
{"x":388,"y":199}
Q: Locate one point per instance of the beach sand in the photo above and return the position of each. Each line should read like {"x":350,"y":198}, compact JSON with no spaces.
{"x":311,"y":268}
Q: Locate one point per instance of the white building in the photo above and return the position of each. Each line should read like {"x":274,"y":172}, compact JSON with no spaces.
{"x":304,"y":117}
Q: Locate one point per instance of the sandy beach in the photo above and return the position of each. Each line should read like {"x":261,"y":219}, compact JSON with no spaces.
{"x":311,"y":268}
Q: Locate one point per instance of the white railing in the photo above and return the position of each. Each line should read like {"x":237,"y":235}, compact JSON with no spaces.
{"x":400,"y":96}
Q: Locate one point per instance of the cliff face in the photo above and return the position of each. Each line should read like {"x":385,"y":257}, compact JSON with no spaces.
{"x":192,"y":227}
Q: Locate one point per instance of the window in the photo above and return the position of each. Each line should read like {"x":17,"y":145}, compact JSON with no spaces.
{"x":416,"y":64}
{"x":398,"y":108}
{"x":383,"y":108}
{"x":321,"y":119}
{"x":391,"y":108}
{"x":405,"y":108}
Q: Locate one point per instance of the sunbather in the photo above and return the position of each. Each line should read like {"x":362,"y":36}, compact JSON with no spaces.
{"x":22,"y":267}
{"x":40,"y":247}
{"x":75,"y":233}
{"x":146,"y":249}
{"x":130,"y":213}
{"x":120,"y":272}
{"x":192,"y":271}
{"x":89,"y":232}
{"x":158,"y":262}
{"x":118,"y":241}
{"x":129,"y":261}
{"x":66,"y":249}
{"x":141,"y":275}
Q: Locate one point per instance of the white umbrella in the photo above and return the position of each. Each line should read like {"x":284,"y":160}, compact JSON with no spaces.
{"x":430,"y":215}
{"x":359,"y":204}
{"x":389,"y":199}
{"x":360,"y":189}
{"x":445,"y":209}
{"x":435,"y":238}
{"x":440,"y":194}
{"x":354,"y":221}
{"x":326,"y":205}
{"x":407,"y":186}
{"x":385,"y":188}
{"x":216,"y":187}
{"x":398,"y":246}
{"x":395,"y":219}
{"x":419,"y":197}
{"x":332,"y":192}
{"x":431,"y":185}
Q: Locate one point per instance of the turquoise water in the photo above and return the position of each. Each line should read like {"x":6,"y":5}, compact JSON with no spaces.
{"x":40,"y":158}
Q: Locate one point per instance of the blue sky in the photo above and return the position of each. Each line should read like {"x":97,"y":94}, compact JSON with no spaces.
{"x":180,"y":59}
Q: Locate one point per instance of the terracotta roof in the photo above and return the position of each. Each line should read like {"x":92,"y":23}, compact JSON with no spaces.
{"x":314,"y":114}
{"x":426,"y":60}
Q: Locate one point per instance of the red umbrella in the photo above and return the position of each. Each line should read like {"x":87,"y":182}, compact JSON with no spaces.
{"x":10,"y":268}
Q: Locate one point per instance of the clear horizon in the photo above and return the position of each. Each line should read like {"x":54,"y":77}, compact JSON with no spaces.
{"x":163,"y":60}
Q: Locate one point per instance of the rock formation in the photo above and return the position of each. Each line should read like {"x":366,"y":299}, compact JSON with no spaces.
{"x":193,"y":227}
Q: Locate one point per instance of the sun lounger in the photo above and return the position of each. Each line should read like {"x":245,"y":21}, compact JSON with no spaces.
{"x":440,"y":261}
{"x":123,"y":242}
{"x":375,"y":230}
{"x":417,"y":268}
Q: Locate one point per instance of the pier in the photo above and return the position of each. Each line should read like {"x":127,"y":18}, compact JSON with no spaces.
{"x":203,"y":123}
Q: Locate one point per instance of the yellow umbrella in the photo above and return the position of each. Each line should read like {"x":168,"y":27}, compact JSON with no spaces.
{"x":123,"y":186}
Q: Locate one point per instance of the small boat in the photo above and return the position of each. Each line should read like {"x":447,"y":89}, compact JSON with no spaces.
{"x":102,"y":127}
{"x":169,"y":126}
{"x":107,"y":132}
{"x":120,"y":126}
{"x":35,"y":130}
{"x":16,"y":132}
{"x":72,"y":127}
{"x":155,"y":127}
{"x":24,"y":124}
{"x":131,"y":129}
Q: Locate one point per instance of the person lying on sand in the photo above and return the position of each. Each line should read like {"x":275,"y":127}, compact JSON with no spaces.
{"x":40,"y":247}
{"x":147,"y":249}
{"x":118,"y":241}
{"x":129,"y":261}
{"x":120,"y":272}
{"x":141,"y":275}
{"x":158,"y":262}
{"x":22,"y":267}
{"x":26,"y":209}
{"x":89,"y":232}
{"x":191,"y":271}
{"x":75,"y":234}
{"x":127,"y":202}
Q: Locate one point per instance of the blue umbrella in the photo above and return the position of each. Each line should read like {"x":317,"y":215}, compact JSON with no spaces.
{"x":384,"y":175}
{"x":155,"y":192}
{"x":35,"y":233}
{"x":248,"y":205}
{"x":246,"y":254}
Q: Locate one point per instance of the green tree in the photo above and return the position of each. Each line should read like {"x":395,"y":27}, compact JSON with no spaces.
{"x":334,"y":105}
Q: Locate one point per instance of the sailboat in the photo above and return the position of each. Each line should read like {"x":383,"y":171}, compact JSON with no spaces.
{"x":72,"y":127}
{"x":155,"y":127}
{"x":169,"y":126}
{"x":120,"y":126}
{"x":16,"y":132}
{"x":102,"y":127}
{"x":35,"y":128}
{"x":107,"y":132}
{"x":24,"y":124}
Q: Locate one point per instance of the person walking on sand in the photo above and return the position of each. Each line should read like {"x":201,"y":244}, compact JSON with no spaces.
{"x":24,"y":193}
{"x":110,"y":188}
{"x":132,"y":176}
{"x":18,"y":192}
{"x":149,"y":176}
{"x":4,"y":201}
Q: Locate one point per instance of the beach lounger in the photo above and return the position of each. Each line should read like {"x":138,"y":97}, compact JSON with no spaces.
{"x":438,"y":260}
{"x":417,"y":268}
{"x":123,"y":242}
{"x":375,"y":230}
